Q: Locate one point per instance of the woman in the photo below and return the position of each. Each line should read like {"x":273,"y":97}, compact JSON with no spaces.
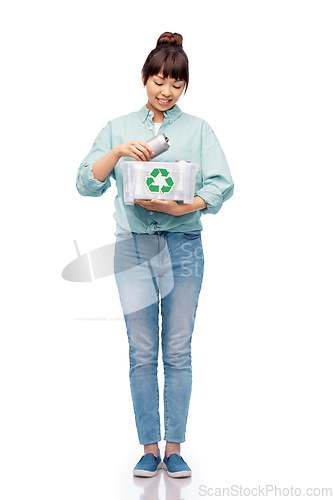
{"x":158,"y":256}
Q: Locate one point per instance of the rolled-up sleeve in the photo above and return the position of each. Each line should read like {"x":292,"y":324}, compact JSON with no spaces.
{"x":86,"y":184}
{"x":217,"y":184}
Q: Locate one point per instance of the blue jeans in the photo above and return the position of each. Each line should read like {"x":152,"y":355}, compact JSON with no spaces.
{"x":159,"y":271}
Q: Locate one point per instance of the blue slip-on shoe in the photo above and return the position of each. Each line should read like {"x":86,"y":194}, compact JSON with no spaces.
{"x":176,"y":466}
{"x":148,"y":465}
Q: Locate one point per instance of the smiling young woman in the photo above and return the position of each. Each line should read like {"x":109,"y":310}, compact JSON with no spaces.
{"x":165,"y":74}
{"x":155,"y":238}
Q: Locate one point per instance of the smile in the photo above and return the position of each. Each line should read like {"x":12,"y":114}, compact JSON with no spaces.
{"x":163,"y":101}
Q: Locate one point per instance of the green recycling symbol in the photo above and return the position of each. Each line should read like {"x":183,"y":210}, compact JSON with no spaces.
{"x":159,"y":180}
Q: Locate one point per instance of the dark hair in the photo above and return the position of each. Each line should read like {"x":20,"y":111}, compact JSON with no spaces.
{"x":168,"y":58}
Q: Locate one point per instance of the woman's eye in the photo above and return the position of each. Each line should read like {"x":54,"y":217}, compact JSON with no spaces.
{"x":160,"y":85}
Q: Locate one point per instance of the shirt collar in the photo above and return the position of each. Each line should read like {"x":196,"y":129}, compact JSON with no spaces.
{"x":172,"y":113}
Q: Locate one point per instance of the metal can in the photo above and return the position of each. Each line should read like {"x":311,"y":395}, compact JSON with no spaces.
{"x":160,"y":143}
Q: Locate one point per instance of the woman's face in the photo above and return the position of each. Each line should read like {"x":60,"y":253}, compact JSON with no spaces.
{"x":163,"y":93}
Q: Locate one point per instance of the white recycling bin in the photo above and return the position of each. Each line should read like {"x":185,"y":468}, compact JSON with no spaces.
{"x":148,"y":180}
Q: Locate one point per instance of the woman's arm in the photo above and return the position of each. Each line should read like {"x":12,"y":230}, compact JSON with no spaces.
{"x":93,"y":177}
{"x":217,"y":184}
{"x":102,"y":168}
{"x":139,"y":150}
{"x":172,"y":207}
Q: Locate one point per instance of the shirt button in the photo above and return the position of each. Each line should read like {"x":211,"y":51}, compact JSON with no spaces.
{"x":151,"y":213}
{"x":150,"y":128}
{"x":171,"y":119}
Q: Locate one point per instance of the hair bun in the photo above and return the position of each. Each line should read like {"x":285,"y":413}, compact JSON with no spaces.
{"x":169,"y":38}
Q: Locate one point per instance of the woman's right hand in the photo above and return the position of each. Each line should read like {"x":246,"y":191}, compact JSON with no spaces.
{"x":139,"y":150}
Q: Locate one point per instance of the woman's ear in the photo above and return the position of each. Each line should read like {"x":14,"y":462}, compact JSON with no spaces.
{"x":142,"y":78}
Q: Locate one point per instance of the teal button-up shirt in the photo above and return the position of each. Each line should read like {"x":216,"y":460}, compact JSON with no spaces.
{"x":191,"y":139}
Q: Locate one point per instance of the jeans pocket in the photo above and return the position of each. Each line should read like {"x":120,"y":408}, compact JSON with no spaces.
{"x":192,"y":235}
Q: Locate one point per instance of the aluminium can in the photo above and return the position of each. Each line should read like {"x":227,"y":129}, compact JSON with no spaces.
{"x":160,"y":143}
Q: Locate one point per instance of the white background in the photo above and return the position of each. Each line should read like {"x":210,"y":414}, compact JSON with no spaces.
{"x":261,"y":408}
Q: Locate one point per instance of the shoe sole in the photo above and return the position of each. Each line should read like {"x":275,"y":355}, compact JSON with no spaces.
{"x":146,"y":473}
{"x":181,"y":473}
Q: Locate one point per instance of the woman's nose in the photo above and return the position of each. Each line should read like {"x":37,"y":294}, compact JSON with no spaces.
{"x":166,"y":91}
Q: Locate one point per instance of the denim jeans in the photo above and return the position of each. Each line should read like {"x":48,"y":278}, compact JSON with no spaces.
{"x":159,"y":273}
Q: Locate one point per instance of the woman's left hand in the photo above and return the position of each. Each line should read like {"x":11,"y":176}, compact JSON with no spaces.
{"x":170,"y":207}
